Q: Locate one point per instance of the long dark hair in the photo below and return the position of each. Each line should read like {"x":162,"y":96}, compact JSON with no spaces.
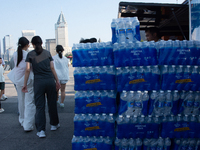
{"x":37,"y":41}
{"x":21,"y":44}
{"x":59,"y":50}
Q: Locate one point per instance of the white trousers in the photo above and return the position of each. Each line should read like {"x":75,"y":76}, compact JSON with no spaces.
{"x":26,"y":107}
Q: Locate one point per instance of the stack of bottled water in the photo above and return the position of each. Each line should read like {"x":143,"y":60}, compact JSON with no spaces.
{"x":95,"y":102}
{"x":125,"y":30}
{"x":138,"y":78}
{"x":92,"y":143}
{"x":160,"y":103}
{"x":93,"y":54}
{"x":138,"y":127}
{"x":179,"y":52}
{"x":180,"y":78}
{"x":143,"y":144}
{"x":94,"y":125}
{"x":135,"y":54}
{"x":186,"y":144}
{"x":94,"y":78}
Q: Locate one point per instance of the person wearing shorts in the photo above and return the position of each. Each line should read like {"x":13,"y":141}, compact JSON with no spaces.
{"x":61,"y":64}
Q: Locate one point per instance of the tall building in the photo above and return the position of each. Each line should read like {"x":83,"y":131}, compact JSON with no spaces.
{"x":51,"y":46}
{"x":7,"y":47}
{"x":61,"y":33}
{"x":29,"y":34}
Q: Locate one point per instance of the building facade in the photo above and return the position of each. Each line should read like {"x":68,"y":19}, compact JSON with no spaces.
{"x":29,"y":34}
{"x":61,"y":33}
{"x":8,"y":49}
{"x":51,"y":46}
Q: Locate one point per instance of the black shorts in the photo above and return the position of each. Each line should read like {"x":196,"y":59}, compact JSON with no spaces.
{"x":2,"y":85}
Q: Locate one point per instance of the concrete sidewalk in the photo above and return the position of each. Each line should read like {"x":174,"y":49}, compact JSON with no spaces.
{"x":12,"y":135}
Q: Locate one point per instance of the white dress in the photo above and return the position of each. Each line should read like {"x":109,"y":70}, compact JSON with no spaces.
{"x":61,"y":67}
{"x":26,"y":105}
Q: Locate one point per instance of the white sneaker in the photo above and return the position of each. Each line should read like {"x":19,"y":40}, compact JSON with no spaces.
{"x":53,"y":128}
{"x":1,"y":110}
{"x":41,"y":134}
{"x":62,"y":105}
{"x":4,"y":97}
{"x":58,"y":102}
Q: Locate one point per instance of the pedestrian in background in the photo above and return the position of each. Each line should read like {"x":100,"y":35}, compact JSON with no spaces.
{"x":61,"y":64}
{"x":45,"y":83}
{"x":2,"y":84}
{"x":26,"y":105}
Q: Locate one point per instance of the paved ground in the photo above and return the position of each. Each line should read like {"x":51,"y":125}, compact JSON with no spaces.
{"x":12,"y":136}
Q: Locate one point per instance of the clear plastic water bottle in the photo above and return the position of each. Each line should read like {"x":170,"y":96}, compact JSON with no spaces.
{"x":145,"y":49}
{"x":167,"y":52}
{"x":116,"y":52}
{"x":160,"y":144}
{"x":129,"y":31}
{"x":76,"y":79}
{"x":130,"y":98}
{"x":138,"y":104}
{"x":125,"y":80}
{"x":75,"y":53}
{"x":188,"y":103}
{"x":167,"y":144}
{"x":81,"y":125}
{"x":153,"y":144}
{"x":170,"y":128}
{"x":120,"y":126}
{"x":110,"y":81}
{"x":197,"y":145}
{"x":179,"y":120}
{"x":153,"y":97}
{"x":193,"y":124}
{"x":126,"y":126}
{"x":168,"y":103}
{"x":121,"y":31}
{"x":155,"y":78}
{"x":179,"y":76}
{"x":117,"y":144}
{"x":131,"y":144}
{"x":146,"y":144}
{"x":187,"y":76}
{"x":136,"y":26}
{"x":138,"y":143}
{"x":110,"y":130}
{"x":103,"y":125}
{"x":88,"y":100}
{"x":109,"y":54}
{"x":100,"y":142}
{"x":184,"y":55}
{"x":171,"y":78}
{"x":192,"y":144}
{"x":176,"y":98}
{"x":76,"y":125}
{"x":87,"y":47}
{"x":75,"y":143}
{"x":186,"y":120}
{"x":133,"y":122}
{"x":194,"y":78}
{"x":159,"y":104}
{"x":149,"y":124}
{"x":112,"y":106}
{"x":133,"y":74}
{"x":181,"y":102}
{"x":140,"y":75}
{"x":123,"y":102}
{"x":137,"y":55}
{"x":126,"y":57}
{"x":156,"y":122}
{"x":124,"y":144}
{"x":153,"y":53}
{"x":174,"y":55}
{"x":184,"y":144}
{"x":145,"y":102}
{"x":177,"y":143}
{"x":164,"y":77}
{"x":192,"y":59}
{"x":96,"y":123}
{"x":114,"y":33}
{"x":84,"y":101}
{"x":108,"y":143}
{"x":196,"y":108}
{"x":148,"y":78}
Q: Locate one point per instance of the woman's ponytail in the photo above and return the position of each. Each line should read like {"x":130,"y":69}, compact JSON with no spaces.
{"x":21,"y":44}
{"x":59,"y":50}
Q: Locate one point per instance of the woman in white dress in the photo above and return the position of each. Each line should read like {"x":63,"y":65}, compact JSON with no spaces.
{"x":61,"y":65}
{"x":26,"y":104}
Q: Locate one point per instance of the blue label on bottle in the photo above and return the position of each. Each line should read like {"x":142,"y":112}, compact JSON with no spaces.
{"x":160,"y":104}
{"x":189,"y":103}
{"x":129,"y":30}
{"x":168,"y":104}
{"x":138,"y":104}
{"x":184,"y":147}
{"x":130,"y":104}
{"x":121,"y":31}
{"x":196,"y":104}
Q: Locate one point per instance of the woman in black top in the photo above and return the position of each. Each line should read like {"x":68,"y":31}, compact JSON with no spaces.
{"x":44,"y":83}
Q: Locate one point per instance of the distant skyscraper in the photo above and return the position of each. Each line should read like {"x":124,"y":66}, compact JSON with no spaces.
{"x":51,"y":46}
{"x":61,"y":33}
{"x":7,"y":47}
{"x":29,"y":34}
